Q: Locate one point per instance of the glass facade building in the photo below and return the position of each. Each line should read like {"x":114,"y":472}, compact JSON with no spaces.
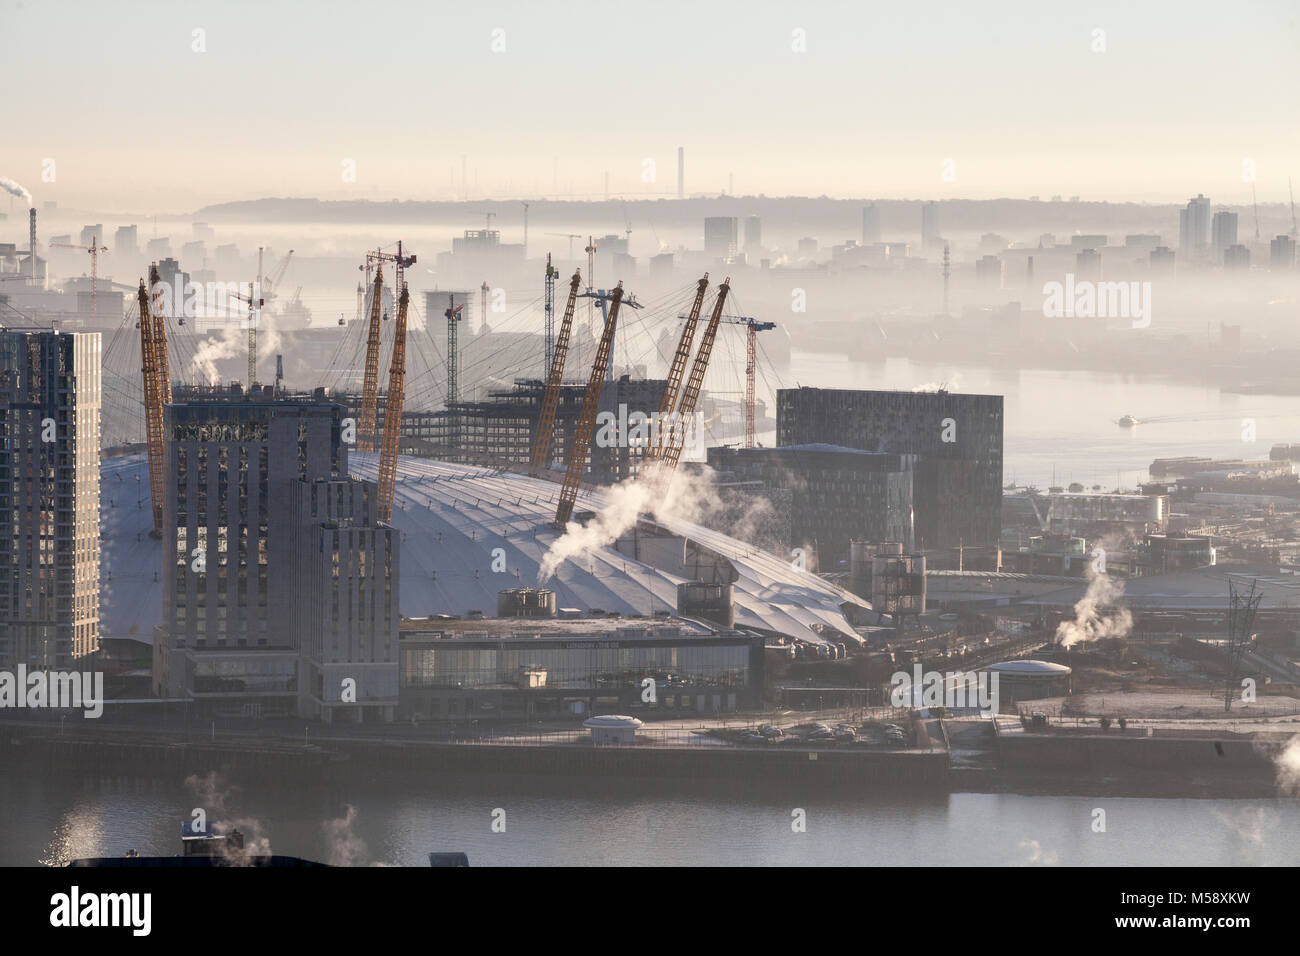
{"x":526,"y":671}
{"x":49,"y":497}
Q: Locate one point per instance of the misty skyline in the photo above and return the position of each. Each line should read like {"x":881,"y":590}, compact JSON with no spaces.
{"x":878,"y":99}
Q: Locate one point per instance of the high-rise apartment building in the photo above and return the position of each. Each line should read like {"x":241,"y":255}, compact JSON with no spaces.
{"x":720,"y":236}
{"x":1194,"y":228}
{"x":930,"y":223}
{"x":1281,"y":254}
{"x":49,"y":497}
{"x":276,"y":562}
{"x":126,"y":241}
{"x":870,"y":224}
{"x":1223,"y":233}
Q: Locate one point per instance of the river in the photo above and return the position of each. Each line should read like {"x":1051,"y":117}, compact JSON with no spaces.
{"x":570,"y":821}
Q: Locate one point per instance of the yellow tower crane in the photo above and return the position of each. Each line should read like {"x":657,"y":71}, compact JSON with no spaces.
{"x":672,"y":451}
{"x":582,"y":433}
{"x":675,"y":373}
{"x":157,"y":392}
{"x":370,"y":386}
{"x":393,"y":411}
{"x":544,"y":434}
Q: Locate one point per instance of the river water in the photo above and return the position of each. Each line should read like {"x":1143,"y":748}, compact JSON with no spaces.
{"x":570,"y":821}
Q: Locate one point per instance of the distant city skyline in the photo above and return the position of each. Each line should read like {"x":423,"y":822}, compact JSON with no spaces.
{"x":921,"y":100}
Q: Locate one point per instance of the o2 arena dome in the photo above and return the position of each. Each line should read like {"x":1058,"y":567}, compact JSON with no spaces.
{"x":469,"y":532}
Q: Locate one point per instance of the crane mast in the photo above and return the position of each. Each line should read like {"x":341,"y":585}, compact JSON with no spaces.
{"x":675,"y":372}
{"x":587,"y":419}
{"x":548,"y":309}
{"x":752,"y":328}
{"x":160,"y":339}
{"x":452,"y":314}
{"x":393,"y":411}
{"x":152,"y":401}
{"x":254,"y":317}
{"x":94,"y":249}
{"x":672,"y":453}
{"x":370,"y":387}
{"x":551,"y":397}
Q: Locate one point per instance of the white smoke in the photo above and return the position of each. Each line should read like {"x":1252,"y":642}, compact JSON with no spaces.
{"x":215,"y":796}
{"x":213,"y":350}
{"x":951,"y":385}
{"x":1033,"y":854}
{"x":671,"y":495}
{"x":268,"y":336}
{"x":14,"y":189}
{"x":1091,"y":622}
{"x":345,"y":847}
{"x":1287,"y":766}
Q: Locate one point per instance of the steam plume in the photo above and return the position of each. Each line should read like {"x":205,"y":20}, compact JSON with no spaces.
{"x":1090,"y":622}
{"x":674,"y":495}
{"x":14,"y":189}
{"x":213,"y":350}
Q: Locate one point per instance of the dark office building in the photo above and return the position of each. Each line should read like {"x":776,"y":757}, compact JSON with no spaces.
{"x":956,"y":438}
{"x":837,"y":494}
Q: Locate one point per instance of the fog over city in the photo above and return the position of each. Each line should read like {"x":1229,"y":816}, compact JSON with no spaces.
{"x":574,"y":434}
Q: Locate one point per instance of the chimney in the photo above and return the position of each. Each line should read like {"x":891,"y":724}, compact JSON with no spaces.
{"x":32,"y":240}
{"x":681,"y":172}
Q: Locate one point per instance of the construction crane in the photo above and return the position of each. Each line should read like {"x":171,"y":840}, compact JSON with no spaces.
{"x":672,"y":452}
{"x":453,"y":353}
{"x":370,"y":385}
{"x":551,"y":396}
{"x":153,"y":342}
{"x":160,"y":336}
{"x":566,"y":235}
{"x":678,"y":369}
{"x":272,"y":282}
{"x":590,"y":250}
{"x":752,"y":327}
{"x":393,"y":411}
{"x":94,"y":249}
{"x":582,"y":433}
{"x":601,"y":297}
{"x":400,"y":263}
{"x":255,"y":303}
{"x":548,"y":310}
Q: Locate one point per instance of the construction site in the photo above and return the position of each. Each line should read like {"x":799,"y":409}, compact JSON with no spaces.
{"x":443,"y":489}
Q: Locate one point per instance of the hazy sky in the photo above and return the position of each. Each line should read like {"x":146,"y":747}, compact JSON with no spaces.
{"x":136,"y":120}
